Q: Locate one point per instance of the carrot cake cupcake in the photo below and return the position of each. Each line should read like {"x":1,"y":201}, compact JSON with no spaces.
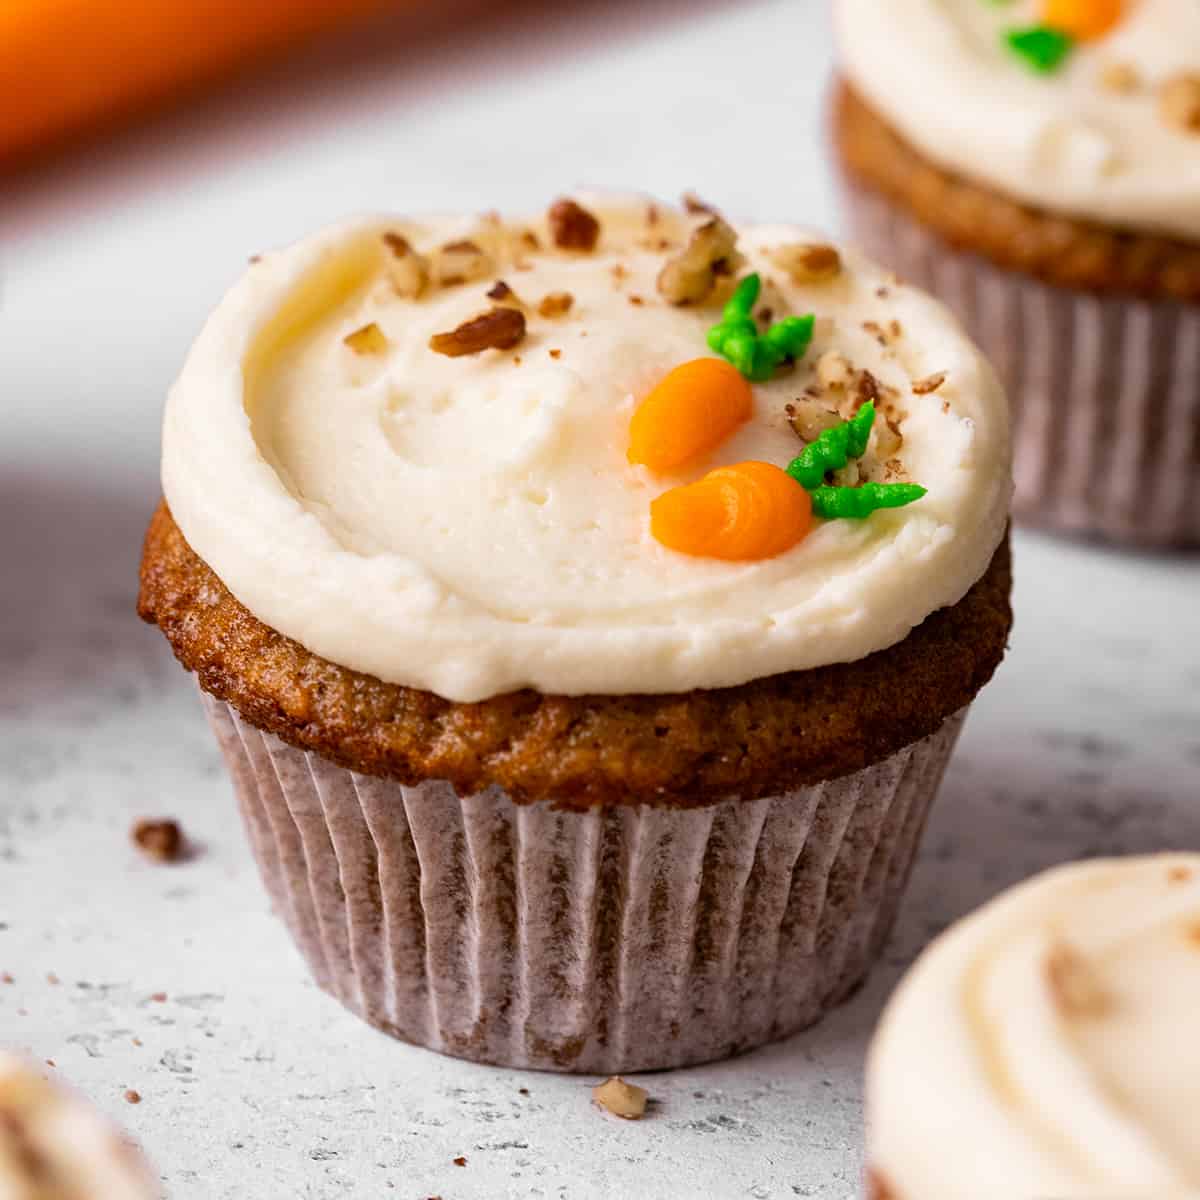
{"x":1046,"y":1045}
{"x":1036,"y":164}
{"x":55,"y":1146}
{"x":586,"y":607}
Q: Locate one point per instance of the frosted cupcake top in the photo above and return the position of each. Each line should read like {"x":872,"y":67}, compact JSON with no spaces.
{"x":1089,"y":108}
{"x":1046,"y":1045}
{"x":407,"y":445}
{"x":53,"y":1146}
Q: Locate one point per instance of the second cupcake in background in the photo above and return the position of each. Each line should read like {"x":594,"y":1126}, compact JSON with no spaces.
{"x":1045,"y":1046}
{"x":587,"y":608}
{"x":1036,"y":164}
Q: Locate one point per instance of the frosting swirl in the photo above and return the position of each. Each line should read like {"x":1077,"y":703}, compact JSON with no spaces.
{"x":1045,"y":1046}
{"x":471,"y":525}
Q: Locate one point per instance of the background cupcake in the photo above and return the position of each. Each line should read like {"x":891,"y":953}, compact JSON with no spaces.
{"x":1044,"y":1045}
{"x":54,"y":1146}
{"x":1037,"y":165}
{"x":571,"y":730}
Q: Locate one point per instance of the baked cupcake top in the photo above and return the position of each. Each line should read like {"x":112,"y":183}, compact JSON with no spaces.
{"x":54,"y":1146}
{"x":407,"y":445}
{"x":1089,"y":108}
{"x":1046,"y":1045}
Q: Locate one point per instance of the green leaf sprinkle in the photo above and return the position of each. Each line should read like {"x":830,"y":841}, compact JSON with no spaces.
{"x":757,"y":355}
{"x":1042,"y":48}
{"x":833,"y":449}
{"x":830,"y":452}
{"x":856,"y":503}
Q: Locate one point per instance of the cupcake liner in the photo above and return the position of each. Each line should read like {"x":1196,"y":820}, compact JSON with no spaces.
{"x":1105,"y":391}
{"x":619,"y":939}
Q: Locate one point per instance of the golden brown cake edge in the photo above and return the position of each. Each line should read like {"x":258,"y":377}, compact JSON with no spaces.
{"x":1058,"y":250}
{"x":682,"y":750}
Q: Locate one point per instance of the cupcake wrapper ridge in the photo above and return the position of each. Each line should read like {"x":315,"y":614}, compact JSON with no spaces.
{"x":618,"y":939}
{"x":1105,"y":390}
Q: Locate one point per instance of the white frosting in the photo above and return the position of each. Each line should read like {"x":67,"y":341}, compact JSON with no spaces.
{"x":54,"y":1146}
{"x":1046,"y":1046}
{"x":471,"y":525}
{"x":939,"y":72}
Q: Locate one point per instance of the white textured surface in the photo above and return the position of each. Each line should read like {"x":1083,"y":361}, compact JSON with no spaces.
{"x":253,"y":1083}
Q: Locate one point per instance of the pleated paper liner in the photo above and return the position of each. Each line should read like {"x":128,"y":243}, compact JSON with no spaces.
{"x":1105,"y":391}
{"x":620,"y":939}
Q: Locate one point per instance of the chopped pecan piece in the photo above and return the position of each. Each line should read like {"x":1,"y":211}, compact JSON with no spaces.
{"x":1120,"y":77}
{"x":931,"y":383}
{"x":408,"y":270}
{"x":620,"y":1098}
{"x":809,"y":418}
{"x":501,"y":291}
{"x":1179,"y":101}
{"x":461,"y":262}
{"x":556,"y":304}
{"x":162,"y":840}
{"x":497,"y":329}
{"x":807,"y":262}
{"x":834,"y":370}
{"x":369,"y":339}
{"x":689,"y":277}
{"x":572,"y":226}
{"x":696,"y":207}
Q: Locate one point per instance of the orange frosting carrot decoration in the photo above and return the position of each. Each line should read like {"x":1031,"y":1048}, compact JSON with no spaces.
{"x":749,"y":511}
{"x":1083,"y":19}
{"x":691,"y":411}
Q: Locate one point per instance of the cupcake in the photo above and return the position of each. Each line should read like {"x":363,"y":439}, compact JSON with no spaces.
{"x":54,"y":1146}
{"x":1046,"y":1045}
{"x":1037,"y":166}
{"x":586,"y":608}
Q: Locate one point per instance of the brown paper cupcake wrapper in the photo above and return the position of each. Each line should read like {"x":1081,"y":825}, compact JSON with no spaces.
{"x":1105,"y":391}
{"x":620,"y":939}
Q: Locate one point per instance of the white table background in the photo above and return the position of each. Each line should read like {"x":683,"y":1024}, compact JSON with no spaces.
{"x":255,"y":1084}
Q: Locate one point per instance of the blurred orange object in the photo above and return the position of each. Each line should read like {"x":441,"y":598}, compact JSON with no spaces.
{"x":65,"y":64}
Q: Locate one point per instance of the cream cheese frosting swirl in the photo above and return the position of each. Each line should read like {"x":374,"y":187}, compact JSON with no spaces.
{"x":471,"y":525}
{"x":939,"y":72}
{"x":1045,"y":1047}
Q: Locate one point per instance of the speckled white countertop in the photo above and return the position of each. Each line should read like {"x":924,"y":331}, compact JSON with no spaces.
{"x":253,"y":1083}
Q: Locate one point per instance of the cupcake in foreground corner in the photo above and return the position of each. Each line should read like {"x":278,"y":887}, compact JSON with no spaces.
{"x":586,"y":608}
{"x":1036,"y":164}
{"x":1046,"y":1045}
{"x":54,"y":1146}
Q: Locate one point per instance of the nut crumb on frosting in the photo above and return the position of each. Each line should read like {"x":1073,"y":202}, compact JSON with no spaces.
{"x":711,"y":251}
{"x":1075,"y":989}
{"x":407,"y":270}
{"x":161,"y":839}
{"x":1179,"y":875}
{"x":1122,"y":77}
{"x":501,"y":291}
{"x":496,"y":329}
{"x":572,"y":226}
{"x":462,"y":261}
{"x":556,"y":304}
{"x":367,"y":339}
{"x":1179,"y":101}
{"x":695,"y":206}
{"x":556,"y":353}
{"x":622,"y":1099}
{"x":807,"y":262}
{"x":931,"y":383}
